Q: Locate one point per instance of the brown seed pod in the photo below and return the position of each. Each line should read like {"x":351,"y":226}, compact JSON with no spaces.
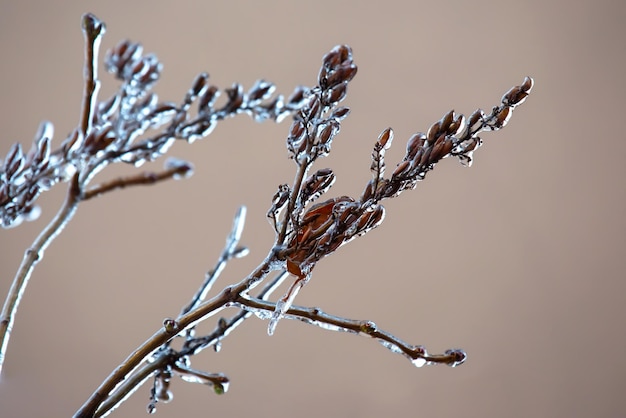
{"x":401,"y":169}
{"x":503,"y":117}
{"x":433,"y":131}
{"x":446,"y":120}
{"x":527,"y":85}
{"x":199,"y":85}
{"x":475,"y":121}
{"x":385,"y":138}
{"x":415,"y":143}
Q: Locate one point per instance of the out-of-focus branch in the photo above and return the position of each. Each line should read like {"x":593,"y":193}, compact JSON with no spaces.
{"x":145,"y":178}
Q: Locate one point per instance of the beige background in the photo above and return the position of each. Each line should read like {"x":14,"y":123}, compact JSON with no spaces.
{"x":519,"y":260}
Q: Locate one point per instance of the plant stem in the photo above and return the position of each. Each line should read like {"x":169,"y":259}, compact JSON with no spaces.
{"x":31,"y":257}
{"x":93,"y":29}
{"x":143,"y":352}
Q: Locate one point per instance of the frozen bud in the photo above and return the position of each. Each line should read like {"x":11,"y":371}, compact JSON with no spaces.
{"x":107,"y":108}
{"x":200,"y":85}
{"x":457,"y":126}
{"x":170,"y":325}
{"x":314,"y":106}
{"x":385,"y":138}
{"x":457,"y":357}
{"x":503,"y":117}
{"x":402,"y":169}
{"x":261,"y":90}
{"x":425,"y":159}
{"x":527,"y":85}
{"x":416,"y":142}
{"x":341,"y":74}
{"x":328,"y":133}
{"x":162,"y":113}
{"x":344,"y":52}
{"x":297,"y":131}
{"x":475,"y":121}
{"x":371,"y":220}
{"x":235,"y":97}
{"x":93,"y":26}
{"x":340,"y":113}
{"x":322,"y":76}
{"x":182,"y":169}
{"x":332,"y":58}
{"x":433,"y":131}
{"x":208,"y":97}
{"x":446,"y":120}
{"x":337,"y":93}
{"x":297,"y":96}
{"x":318,"y":183}
{"x":440,"y":150}
{"x":14,"y":161}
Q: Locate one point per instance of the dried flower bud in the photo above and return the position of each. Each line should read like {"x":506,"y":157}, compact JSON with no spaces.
{"x":261,"y":90}
{"x":336,"y":94}
{"x":208,"y":98}
{"x":385,"y":138}
{"x":298,"y":96}
{"x":41,"y":153}
{"x":317,"y":184}
{"x":14,"y":161}
{"x":235,"y":98}
{"x":402,"y":169}
{"x":415,"y":143}
{"x":200,"y":84}
{"x":72,"y":143}
{"x":475,"y":121}
{"x":503,"y":117}
{"x":457,"y":126}
{"x":107,"y":108}
{"x":340,"y":113}
{"x":527,"y":85}
{"x":446,"y":120}
{"x":433,"y":131}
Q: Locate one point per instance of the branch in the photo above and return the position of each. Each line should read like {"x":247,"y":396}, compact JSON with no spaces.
{"x":31,"y":257}
{"x":168,"y":332}
{"x":93,"y":29}
{"x":417,"y":354}
{"x":178,"y":170}
{"x":191,"y":347}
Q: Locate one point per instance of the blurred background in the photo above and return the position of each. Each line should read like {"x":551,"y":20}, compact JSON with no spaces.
{"x":519,"y":260}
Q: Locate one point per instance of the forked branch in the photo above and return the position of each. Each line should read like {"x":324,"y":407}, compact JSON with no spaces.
{"x":133,"y":126}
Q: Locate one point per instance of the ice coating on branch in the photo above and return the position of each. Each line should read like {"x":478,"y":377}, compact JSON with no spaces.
{"x":283,"y":305}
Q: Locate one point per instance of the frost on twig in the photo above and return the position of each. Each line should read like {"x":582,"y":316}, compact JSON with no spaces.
{"x":134,"y":126}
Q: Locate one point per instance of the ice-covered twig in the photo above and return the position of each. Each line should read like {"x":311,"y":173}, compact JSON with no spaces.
{"x":93,"y":30}
{"x":417,"y":354}
{"x":231,"y":250}
{"x":178,"y":170}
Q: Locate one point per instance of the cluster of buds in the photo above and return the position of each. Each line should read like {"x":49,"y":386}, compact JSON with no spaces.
{"x":326,"y":226}
{"x":314,"y":128}
{"x":131,"y":126}
{"x":452,"y":135}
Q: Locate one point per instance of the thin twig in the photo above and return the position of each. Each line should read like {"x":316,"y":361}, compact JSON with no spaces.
{"x":229,"y":252}
{"x":145,"y":178}
{"x":191,"y":347}
{"x":315,"y":316}
{"x":161,"y":337}
{"x":93,"y":29}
